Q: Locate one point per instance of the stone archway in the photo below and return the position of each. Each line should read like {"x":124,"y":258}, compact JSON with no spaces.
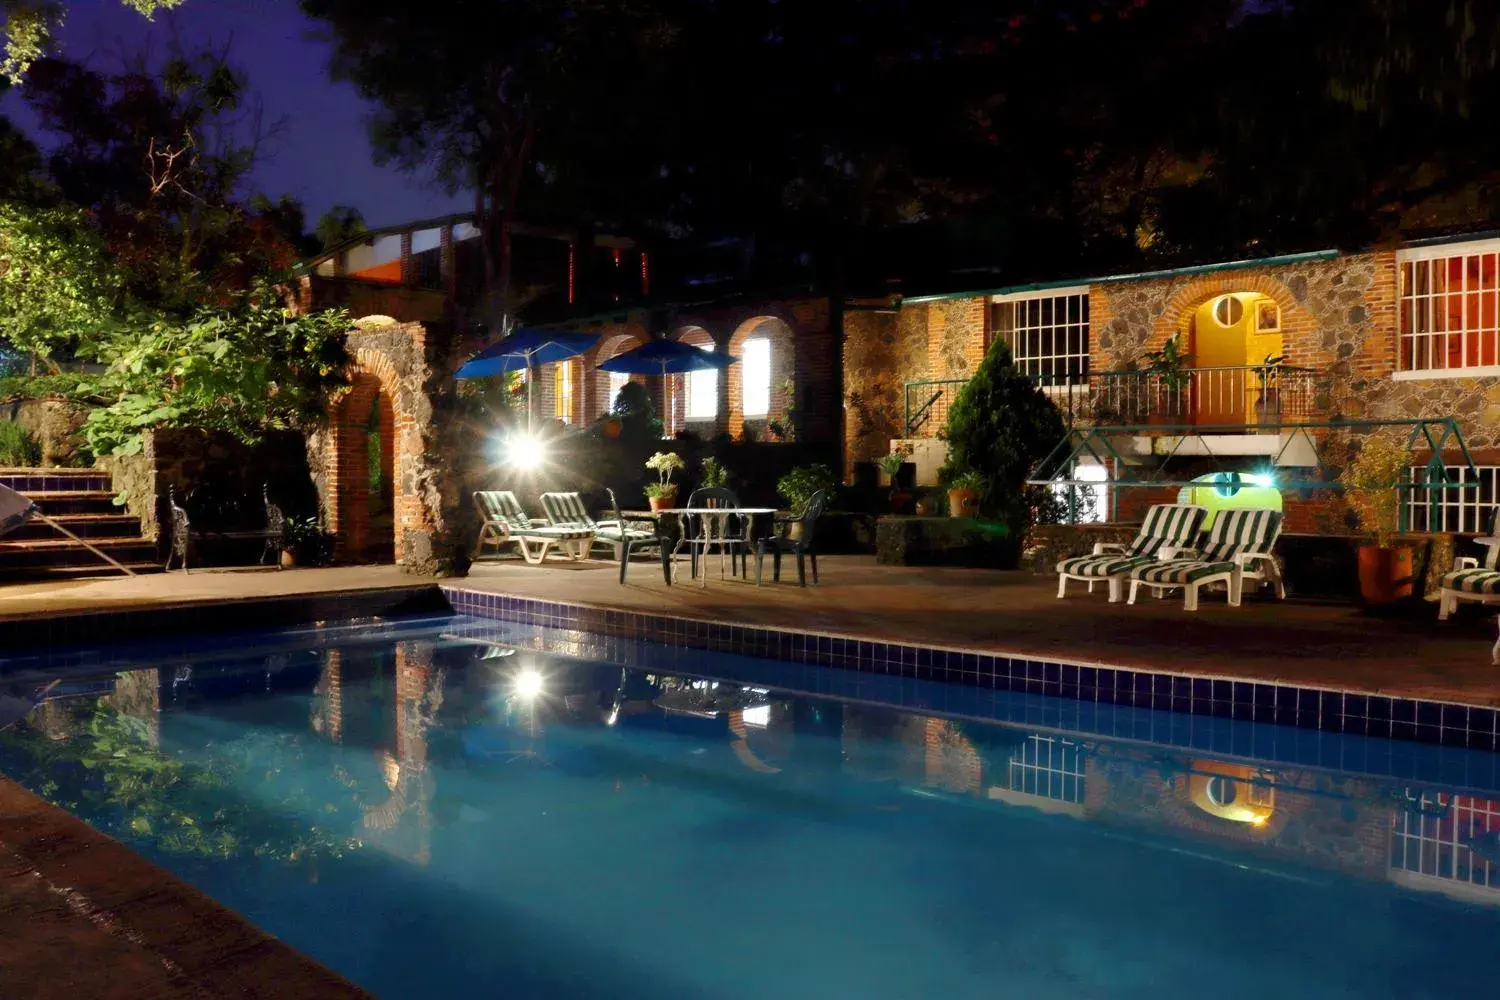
{"x":676,"y":390}
{"x":393,"y":477}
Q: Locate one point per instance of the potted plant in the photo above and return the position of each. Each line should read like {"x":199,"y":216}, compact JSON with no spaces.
{"x":1171,"y":370}
{"x":663,"y":493}
{"x":1371,"y":485}
{"x":305,"y":543}
{"x":890,"y":470}
{"x":964,"y":491}
{"x":798,"y":486}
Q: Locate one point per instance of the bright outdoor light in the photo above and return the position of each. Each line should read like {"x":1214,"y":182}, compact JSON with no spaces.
{"x":528,"y":683}
{"x":524,"y":451}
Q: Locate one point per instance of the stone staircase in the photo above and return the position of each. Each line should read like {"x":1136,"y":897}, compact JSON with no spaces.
{"x":82,"y":501}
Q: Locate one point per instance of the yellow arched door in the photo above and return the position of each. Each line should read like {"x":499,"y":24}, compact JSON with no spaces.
{"x":1228,"y":342}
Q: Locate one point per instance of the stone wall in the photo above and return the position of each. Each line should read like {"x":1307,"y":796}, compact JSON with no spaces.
{"x":55,"y":424}
{"x":885,"y":346}
{"x":408,"y":370}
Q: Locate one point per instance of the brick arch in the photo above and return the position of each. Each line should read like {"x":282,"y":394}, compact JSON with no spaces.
{"x":391,"y":374}
{"x":599,"y":402}
{"x":1298,"y":326}
{"x":676,"y":387}
{"x":783,"y":367}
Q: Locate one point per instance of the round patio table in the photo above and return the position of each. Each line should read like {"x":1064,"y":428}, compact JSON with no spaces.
{"x":723,"y":512}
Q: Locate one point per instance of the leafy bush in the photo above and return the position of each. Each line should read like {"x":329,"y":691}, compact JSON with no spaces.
{"x":18,"y":446}
{"x":999,"y":427}
{"x":798,"y":486}
{"x":1370,"y":486}
{"x":637,"y":415}
{"x":63,"y":384}
{"x":712,"y":474}
{"x":243,"y":371}
{"x":968,"y":481}
{"x":309,"y":544}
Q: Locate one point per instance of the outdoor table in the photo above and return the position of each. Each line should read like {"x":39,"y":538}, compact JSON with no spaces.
{"x":725,"y":512}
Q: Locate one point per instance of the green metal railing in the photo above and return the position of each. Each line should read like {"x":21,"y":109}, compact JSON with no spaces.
{"x":1244,"y":395}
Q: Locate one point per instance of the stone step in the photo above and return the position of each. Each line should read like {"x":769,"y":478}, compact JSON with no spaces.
{"x":52,"y":552}
{"x":98,"y":568}
{"x":90,"y":526}
{"x":76,"y":502}
{"x":33,"y":481}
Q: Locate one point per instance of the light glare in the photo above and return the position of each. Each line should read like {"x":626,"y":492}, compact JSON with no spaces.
{"x":525,"y":452}
{"x":528,"y":683}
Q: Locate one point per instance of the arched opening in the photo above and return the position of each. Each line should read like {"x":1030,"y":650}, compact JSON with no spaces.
{"x":365,"y":425}
{"x":607,"y":385}
{"x":762,"y":387}
{"x":1236,"y":346}
{"x":693,"y":399}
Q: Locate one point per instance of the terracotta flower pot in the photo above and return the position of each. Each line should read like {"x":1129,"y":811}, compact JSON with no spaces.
{"x":900,"y":501}
{"x":664,"y":502}
{"x":1385,"y":575}
{"x":963,"y":503}
{"x":611,"y":428}
{"x":288,"y":559}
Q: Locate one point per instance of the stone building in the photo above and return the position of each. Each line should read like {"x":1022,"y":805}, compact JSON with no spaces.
{"x":1276,"y":351}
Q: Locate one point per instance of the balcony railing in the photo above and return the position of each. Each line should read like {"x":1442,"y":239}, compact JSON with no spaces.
{"x":1247,"y":396}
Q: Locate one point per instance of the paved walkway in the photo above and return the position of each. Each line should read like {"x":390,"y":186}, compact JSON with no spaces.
{"x":1320,"y":644}
{"x":108,"y":593}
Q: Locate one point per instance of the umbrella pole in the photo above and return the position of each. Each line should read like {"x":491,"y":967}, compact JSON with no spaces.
{"x":530,"y":393}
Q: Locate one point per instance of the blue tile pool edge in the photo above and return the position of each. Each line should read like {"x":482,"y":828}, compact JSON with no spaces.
{"x":1352,"y":712}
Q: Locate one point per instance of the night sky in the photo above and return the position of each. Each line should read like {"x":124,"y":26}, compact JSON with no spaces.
{"x":323,"y":157}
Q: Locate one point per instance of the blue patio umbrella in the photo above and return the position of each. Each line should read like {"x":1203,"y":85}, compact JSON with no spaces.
{"x":666,"y":357}
{"x":523,"y":349}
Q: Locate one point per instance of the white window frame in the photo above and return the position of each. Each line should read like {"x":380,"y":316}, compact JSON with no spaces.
{"x":761,"y":405}
{"x":1421,"y":846}
{"x":702,"y":388}
{"x":563,"y":390}
{"x":1461,"y":511}
{"x":1409,"y":305}
{"x":1052,"y":769}
{"x":617,"y":381}
{"x":1053,"y":368}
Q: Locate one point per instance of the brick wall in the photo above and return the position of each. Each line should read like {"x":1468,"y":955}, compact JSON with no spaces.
{"x":803,"y":350}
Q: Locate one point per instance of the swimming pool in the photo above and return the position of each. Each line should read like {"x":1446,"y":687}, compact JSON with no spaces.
{"x":459,"y":807}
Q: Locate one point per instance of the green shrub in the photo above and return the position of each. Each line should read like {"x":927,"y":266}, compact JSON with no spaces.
{"x":712,"y":474}
{"x":18,"y":446}
{"x":40,"y":386}
{"x":999,"y":427}
{"x":798,"y":486}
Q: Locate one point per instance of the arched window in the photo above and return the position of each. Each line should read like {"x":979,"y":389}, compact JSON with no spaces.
{"x":755,"y":377}
{"x":562,"y":390}
{"x":617,"y":381}
{"x":703,"y":391}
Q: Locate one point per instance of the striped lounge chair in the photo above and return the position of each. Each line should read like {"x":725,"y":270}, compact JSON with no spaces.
{"x":1239,"y":547}
{"x":504,"y":522}
{"x":567,"y":510}
{"x":1471,"y":581}
{"x":1167,"y":528}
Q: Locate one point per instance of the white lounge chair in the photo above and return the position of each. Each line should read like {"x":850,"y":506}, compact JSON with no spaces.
{"x":621,"y":537}
{"x":1471,"y":581}
{"x":506,"y":523}
{"x":1166,"y":529}
{"x":1239,"y":547}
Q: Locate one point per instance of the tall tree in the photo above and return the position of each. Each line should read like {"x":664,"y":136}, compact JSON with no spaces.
{"x":31,"y":26}
{"x":338,"y":224}
{"x":509,"y":99}
{"x":162,"y":157}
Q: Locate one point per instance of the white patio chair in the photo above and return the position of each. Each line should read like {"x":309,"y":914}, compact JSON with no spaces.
{"x":505,"y":522}
{"x":1239,"y":547}
{"x":1471,"y":580}
{"x":1167,"y":529}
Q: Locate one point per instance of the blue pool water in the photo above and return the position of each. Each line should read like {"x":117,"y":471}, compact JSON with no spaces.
{"x":452,"y":808}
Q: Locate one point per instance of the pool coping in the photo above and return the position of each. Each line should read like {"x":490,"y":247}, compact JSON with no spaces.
{"x":29,"y":633}
{"x":201,"y":947}
{"x":1325,"y":709}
